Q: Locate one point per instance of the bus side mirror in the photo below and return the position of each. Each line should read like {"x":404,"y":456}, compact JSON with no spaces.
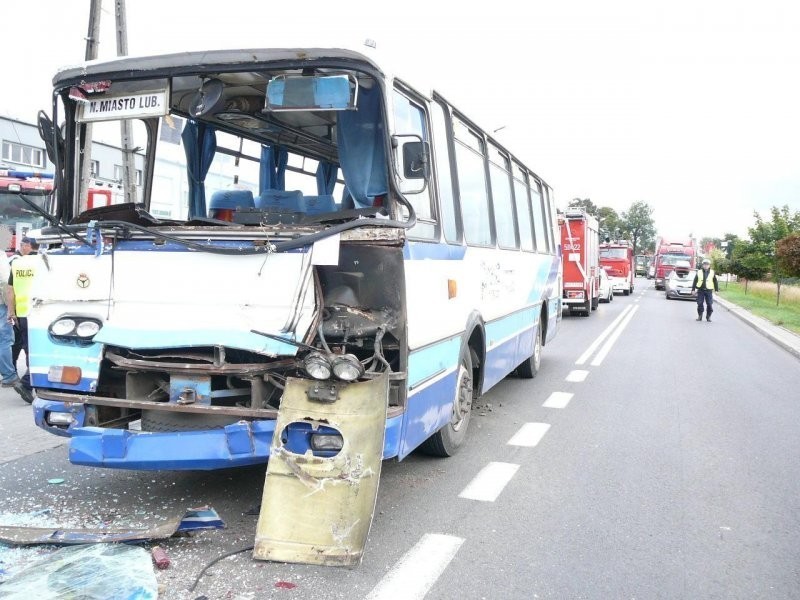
{"x":412,"y":162}
{"x":416,"y":160}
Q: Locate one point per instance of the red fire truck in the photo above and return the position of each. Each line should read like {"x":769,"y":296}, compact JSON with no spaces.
{"x":579,"y":243}
{"x":668,"y":253}
{"x":19,"y":190}
{"x":617,"y":259}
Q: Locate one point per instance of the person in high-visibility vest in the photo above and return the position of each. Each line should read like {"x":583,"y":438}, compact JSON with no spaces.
{"x":23,"y":270}
{"x":8,"y":369}
{"x":705,"y":282}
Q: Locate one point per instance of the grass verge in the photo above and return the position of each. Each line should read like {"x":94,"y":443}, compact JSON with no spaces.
{"x":760,"y":299}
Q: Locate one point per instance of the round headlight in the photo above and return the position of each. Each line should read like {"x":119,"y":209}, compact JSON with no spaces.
{"x":347,"y":367}
{"x":317,"y":366}
{"x":63,"y":327}
{"x":87,"y":329}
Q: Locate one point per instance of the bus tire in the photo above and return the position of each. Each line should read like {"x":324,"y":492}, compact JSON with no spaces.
{"x":529,"y":368}
{"x":447,"y":441}
{"x":167,"y":421}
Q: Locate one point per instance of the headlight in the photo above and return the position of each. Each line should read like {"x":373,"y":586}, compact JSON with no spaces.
{"x":62,"y":327}
{"x":87,"y":329}
{"x":347,"y":367}
{"x":317,"y":366}
{"x":75,"y":329}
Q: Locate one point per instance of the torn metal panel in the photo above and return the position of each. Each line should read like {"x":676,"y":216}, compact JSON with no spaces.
{"x":316,"y":509}
{"x":194,"y":519}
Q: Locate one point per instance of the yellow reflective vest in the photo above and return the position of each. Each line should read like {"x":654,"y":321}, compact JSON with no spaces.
{"x":23,"y":270}
{"x":709,"y":280}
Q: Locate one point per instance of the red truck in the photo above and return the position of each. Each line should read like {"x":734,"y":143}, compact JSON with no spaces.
{"x":617,"y":259}
{"x":18,"y":191}
{"x":668,"y":253}
{"x":579,"y":244}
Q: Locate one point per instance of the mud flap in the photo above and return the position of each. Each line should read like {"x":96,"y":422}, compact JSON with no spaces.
{"x":318,"y":510}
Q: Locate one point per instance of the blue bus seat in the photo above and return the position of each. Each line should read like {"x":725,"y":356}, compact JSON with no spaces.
{"x":281,"y":200}
{"x":319,"y":204}
{"x":229,"y":200}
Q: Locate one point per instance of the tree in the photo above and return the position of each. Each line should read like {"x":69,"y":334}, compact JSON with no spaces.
{"x":609,"y":222}
{"x":788,"y":254}
{"x":749,"y":261}
{"x":638,"y":225}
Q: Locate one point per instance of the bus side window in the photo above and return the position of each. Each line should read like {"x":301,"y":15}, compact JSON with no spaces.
{"x":523,"y":204}
{"x":409,"y":119}
{"x":539,"y":224}
{"x":473,"y":197}
{"x":502,"y":199}
{"x":443,"y":173}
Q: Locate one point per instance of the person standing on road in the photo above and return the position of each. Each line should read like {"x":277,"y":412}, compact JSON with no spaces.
{"x":705,"y":282}
{"x":8,"y":370}
{"x":23,"y":270}
{"x":26,"y":246}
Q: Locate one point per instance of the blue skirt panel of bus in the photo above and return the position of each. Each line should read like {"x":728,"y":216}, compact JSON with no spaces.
{"x":509,"y":342}
{"x":236,"y":445}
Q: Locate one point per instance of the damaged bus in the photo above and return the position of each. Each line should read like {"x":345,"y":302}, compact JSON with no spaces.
{"x":310,"y":258}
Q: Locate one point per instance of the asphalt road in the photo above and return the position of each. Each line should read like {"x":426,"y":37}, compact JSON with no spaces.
{"x":663,"y":466}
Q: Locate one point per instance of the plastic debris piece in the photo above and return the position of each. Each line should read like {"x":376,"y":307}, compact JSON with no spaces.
{"x":91,"y":572}
{"x":194,"y":519}
{"x":55,"y":480}
{"x":160,"y":557}
{"x":285,"y":585}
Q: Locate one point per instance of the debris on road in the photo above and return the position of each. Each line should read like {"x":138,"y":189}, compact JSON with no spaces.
{"x":194,"y":519}
{"x":92,"y":572}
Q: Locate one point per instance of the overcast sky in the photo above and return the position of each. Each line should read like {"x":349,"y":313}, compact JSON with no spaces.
{"x":691,"y":106}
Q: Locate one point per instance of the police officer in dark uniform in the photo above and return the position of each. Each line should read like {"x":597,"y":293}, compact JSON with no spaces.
{"x":705,"y":282}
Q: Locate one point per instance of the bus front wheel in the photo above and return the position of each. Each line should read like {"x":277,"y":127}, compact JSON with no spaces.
{"x":450,"y":438}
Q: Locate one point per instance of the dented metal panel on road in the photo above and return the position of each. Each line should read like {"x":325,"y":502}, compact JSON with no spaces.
{"x":314,"y":509}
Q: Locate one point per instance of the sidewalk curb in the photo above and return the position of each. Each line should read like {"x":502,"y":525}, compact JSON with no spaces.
{"x":784,"y":338}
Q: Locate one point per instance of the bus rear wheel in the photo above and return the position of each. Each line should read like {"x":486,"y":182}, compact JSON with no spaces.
{"x":529,"y":368}
{"x":450,"y":438}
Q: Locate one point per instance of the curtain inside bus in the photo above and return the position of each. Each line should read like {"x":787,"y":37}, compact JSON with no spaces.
{"x":272,"y":171}
{"x":362,"y":156}
{"x":200,"y":144}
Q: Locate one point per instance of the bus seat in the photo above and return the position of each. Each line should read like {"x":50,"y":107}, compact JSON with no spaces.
{"x":319,"y":204}
{"x":286,"y":201}
{"x":224,"y":202}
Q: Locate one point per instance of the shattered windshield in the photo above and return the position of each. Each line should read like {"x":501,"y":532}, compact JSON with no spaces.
{"x":219,"y":147}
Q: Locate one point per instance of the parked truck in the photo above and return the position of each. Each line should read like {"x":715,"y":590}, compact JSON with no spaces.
{"x":617,"y":260}
{"x":669,"y":251}
{"x":642,"y":264}
{"x":580,"y":239}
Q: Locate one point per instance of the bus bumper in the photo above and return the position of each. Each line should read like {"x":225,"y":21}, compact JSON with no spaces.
{"x":236,"y":445}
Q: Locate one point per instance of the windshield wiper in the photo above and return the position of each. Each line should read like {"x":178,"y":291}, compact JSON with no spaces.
{"x":53,"y":221}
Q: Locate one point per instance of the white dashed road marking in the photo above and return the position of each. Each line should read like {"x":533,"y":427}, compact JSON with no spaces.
{"x":558,"y":400}
{"x":418,"y":570}
{"x":529,"y":435}
{"x":595,"y":344}
{"x":577,"y":376}
{"x":598,"y":359}
{"x":491,"y":480}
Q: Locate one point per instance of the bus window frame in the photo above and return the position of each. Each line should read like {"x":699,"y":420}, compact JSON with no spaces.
{"x":417,"y":100}
{"x":525,"y":181}
{"x":449,"y":142}
{"x":504,"y":155}
{"x":477,"y":133}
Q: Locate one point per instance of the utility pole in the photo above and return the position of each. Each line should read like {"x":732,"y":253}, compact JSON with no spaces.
{"x":92,"y":42}
{"x":128,"y":155}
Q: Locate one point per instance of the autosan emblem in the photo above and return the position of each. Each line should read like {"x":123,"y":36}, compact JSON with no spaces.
{"x":83,"y":280}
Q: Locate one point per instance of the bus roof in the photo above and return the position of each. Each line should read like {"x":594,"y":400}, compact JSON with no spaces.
{"x":211,"y":60}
